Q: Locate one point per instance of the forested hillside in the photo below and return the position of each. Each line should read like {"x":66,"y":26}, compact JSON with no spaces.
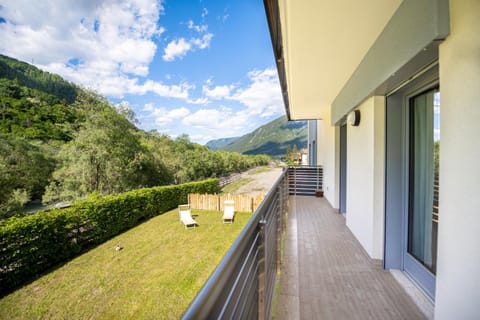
{"x":34,"y":78}
{"x":220,"y":143}
{"x":59,"y":142}
{"x":272,"y":139}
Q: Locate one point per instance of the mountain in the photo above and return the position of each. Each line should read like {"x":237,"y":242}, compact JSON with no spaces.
{"x":271,"y":139}
{"x":36,"y":104}
{"x":220,"y":143}
{"x":26,"y":75}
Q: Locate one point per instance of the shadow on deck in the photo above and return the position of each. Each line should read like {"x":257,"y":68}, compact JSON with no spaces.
{"x":326,"y":274}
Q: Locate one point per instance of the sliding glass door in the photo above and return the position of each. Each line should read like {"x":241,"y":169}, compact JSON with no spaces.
{"x":423,"y":188}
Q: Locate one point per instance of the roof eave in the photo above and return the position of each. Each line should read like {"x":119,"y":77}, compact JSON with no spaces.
{"x":274,"y":25}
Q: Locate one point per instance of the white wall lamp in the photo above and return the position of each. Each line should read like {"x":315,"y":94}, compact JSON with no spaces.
{"x":354,"y":118}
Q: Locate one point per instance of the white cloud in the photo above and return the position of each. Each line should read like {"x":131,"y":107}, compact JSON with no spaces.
{"x":202,"y":138}
{"x":103,"y":45}
{"x":176,"y":49}
{"x":180,"y":47}
{"x":198,"y":28}
{"x":98,"y":77}
{"x":204,"y":13}
{"x":224,"y":17}
{"x":263,"y":96}
{"x":198,"y":101}
{"x":203,"y":42}
{"x":218,"y":92}
{"x":148,"y":107}
{"x":180,"y":91}
{"x":163,"y":117}
{"x":223,"y":120}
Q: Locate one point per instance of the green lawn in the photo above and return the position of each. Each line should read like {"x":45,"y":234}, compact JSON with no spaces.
{"x":155,"y":276}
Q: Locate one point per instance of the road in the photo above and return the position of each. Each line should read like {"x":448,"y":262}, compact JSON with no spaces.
{"x":261,"y":183}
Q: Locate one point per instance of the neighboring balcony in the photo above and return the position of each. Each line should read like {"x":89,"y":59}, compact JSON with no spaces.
{"x":322,"y":273}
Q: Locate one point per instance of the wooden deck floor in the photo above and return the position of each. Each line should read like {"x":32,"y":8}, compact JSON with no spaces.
{"x":326,"y":274}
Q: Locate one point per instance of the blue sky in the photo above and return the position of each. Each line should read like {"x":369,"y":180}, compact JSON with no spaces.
{"x":204,"y":68}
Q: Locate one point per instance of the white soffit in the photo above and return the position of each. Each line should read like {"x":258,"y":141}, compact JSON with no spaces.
{"x":323,"y":43}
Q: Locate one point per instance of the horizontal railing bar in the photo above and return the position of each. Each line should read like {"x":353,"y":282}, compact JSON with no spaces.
{"x":251,"y":287}
{"x":247,"y":287}
{"x":205,"y":300}
{"x":251,"y":267}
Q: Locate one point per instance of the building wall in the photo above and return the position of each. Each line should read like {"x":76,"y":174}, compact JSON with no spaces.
{"x":327,"y":156}
{"x":458,"y":271}
{"x":365,"y":176}
{"x":379,"y":177}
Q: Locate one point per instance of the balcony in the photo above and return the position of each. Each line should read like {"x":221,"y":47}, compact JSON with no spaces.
{"x":326,"y":274}
{"x":322,"y":273}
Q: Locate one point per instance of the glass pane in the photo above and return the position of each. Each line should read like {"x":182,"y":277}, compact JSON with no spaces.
{"x":424,"y":183}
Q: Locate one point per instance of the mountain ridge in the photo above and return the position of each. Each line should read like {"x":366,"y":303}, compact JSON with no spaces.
{"x":271,"y":139}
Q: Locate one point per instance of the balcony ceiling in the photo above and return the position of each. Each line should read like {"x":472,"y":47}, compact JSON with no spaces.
{"x":323,"y":42}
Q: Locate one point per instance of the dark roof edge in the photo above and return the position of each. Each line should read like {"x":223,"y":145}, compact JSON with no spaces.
{"x":273,"y":18}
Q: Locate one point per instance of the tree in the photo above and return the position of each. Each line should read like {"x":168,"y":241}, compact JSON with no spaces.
{"x":25,"y":169}
{"x":106,"y":156}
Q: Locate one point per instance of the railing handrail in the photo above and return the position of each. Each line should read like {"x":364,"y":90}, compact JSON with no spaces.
{"x":210,"y":292}
{"x":305,"y":166}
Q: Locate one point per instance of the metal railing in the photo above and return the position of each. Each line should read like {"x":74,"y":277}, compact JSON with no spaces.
{"x":305,"y":180}
{"x":242,"y":285}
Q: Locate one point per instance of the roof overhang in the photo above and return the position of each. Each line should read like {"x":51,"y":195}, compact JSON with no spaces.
{"x":331,"y":55}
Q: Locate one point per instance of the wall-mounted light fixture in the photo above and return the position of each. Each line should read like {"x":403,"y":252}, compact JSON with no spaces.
{"x":354,"y":118}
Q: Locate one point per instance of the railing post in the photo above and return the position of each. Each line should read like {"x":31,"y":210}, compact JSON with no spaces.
{"x":262,"y":275}
{"x":294,"y":181}
{"x":285,"y":208}
{"x":279,"y":230}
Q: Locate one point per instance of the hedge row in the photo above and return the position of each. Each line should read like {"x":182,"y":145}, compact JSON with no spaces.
{"x":31,"y":245}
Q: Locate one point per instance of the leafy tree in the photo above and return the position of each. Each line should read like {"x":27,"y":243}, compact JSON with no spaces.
{"x":32,"y":114}
{"x":25,"y":169}
{"x":106,"y":156}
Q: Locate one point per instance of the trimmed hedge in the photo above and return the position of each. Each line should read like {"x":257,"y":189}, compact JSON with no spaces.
{"x":31,"y":245}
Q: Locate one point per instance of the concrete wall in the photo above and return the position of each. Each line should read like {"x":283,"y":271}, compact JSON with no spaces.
{"x":365,"y":176}
{"x":458,"y":271}
{"x":327,"y":156}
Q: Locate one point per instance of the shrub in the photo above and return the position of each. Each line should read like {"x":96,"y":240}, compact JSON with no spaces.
{"x":31,"y":245}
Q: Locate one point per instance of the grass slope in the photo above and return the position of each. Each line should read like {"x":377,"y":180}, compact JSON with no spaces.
{"x":155,"y":276}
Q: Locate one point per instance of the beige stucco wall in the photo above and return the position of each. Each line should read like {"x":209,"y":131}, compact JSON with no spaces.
{"x":365,"y":176}
{"x":379,"y":177}
{"x":458,"y":271}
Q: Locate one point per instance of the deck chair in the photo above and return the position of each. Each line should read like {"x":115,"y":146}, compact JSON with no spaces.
{"x":228,"y":211}
{"x":186,"y":216}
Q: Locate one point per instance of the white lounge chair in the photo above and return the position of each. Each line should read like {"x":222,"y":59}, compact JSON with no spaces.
{"x":228,"y":211}
{"x":186,"y":216}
